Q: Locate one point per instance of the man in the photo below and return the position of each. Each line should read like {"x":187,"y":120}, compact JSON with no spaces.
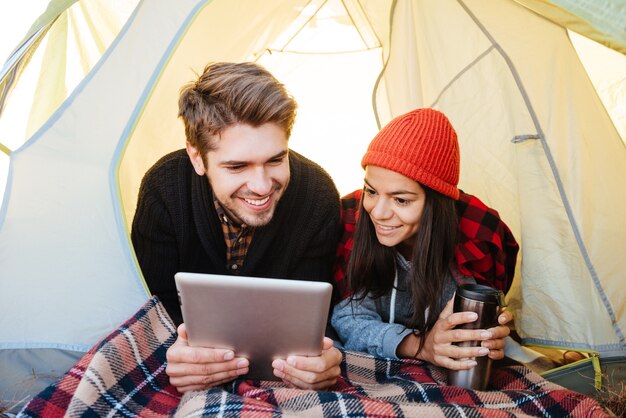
{"x":236,"y":201}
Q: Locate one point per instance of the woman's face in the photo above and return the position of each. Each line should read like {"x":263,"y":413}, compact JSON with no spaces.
{"x":395,"y":204}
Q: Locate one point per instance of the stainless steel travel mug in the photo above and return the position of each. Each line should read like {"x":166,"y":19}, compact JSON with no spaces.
{"x":487,"y":303}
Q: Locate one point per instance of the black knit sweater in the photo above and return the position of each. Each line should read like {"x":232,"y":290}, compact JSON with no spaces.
{"x":176,"y":228}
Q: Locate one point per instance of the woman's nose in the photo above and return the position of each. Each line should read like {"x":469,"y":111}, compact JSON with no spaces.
{"x":381,"y":209}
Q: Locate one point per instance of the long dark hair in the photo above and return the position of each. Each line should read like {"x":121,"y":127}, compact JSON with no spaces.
{"x":371,"y":267}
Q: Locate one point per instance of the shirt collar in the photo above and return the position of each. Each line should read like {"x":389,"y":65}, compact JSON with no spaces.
{"x":223,"y":216}
{"x":402,"y":262}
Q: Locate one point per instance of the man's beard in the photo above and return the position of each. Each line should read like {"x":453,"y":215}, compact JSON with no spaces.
{"x":239,"y":213}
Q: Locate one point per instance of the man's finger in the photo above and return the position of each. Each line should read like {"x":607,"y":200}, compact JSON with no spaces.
{"x":307,"y":380}
{"x":195,"y":355}
{"x":329,"y":358}
{"x":204,"y":369}
{"x":182,"y":332}
{"x":206,"y":380}
{"x":202,"y":387}
{"x":299,"y":375}
{"x":294,"y":381}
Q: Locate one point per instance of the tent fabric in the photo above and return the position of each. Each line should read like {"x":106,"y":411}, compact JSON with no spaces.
{"x":547,"y":174}
{"x":602,"y":21}
{"x":536,"y":144}
{"x":58,"y":51}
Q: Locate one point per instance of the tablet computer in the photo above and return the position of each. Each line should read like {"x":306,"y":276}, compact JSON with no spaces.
{"x":260,"y":319}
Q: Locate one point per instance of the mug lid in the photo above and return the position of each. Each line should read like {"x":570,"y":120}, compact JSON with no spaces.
{"x":481,"y":293}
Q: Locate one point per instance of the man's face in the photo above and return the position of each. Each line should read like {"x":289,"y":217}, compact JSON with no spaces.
{"x":248,"y":171}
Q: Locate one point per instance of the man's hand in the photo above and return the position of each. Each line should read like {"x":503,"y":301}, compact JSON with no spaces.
{"x":311,"y":372}
{"x":200,"y":368}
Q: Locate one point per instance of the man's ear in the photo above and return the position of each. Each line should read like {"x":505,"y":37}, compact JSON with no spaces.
{"x":196,"y":159}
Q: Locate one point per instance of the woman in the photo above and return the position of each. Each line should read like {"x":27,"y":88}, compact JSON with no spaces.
{"x":418,"y":236}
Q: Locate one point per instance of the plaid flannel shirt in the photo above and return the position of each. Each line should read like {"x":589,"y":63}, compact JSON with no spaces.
{"x":237,"y":238}
{"x":487,"y":249}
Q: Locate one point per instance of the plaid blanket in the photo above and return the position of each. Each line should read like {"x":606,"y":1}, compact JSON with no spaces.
{"x":124,"y":375}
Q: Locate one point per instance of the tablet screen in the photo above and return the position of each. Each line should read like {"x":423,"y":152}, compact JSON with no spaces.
{"x":258,"y":318}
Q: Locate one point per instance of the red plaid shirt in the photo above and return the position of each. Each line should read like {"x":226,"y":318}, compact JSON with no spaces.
{"x":487,"y":249}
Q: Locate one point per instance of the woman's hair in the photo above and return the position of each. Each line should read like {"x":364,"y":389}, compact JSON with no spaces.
{"x":226,"y":94}
{"x":371,"y":267}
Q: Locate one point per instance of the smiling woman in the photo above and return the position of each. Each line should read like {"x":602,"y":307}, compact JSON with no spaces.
{"x":404,"y":264}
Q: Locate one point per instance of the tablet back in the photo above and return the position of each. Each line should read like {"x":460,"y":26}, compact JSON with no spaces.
{"x":259,"y":318}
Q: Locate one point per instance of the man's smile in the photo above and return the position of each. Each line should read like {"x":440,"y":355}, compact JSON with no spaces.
{"x":257,"y":202}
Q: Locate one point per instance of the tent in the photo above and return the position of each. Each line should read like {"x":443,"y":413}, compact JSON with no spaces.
{"x":537,"y":144}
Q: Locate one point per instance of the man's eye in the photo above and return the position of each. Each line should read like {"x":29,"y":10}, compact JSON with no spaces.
{"x":235,"y":167}
{"x":277,"y":161}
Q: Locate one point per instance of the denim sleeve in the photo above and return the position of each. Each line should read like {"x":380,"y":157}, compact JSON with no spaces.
{"x":361,"y":328}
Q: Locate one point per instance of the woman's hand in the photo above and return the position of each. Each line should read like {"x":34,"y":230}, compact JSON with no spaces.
{"x":500,"y":332}
{"x":440,"y":350}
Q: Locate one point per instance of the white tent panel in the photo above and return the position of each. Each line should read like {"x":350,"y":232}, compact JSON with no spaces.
{"x":536,"y":144}
{"x":63,"y":204}
{"x":491,"y":60}
{"x":583,"y":173}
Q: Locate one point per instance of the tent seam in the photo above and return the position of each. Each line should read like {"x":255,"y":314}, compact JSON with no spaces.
{"x":14,"y":63}
{"x":460,"y":73}
{"x":352,"y":51}
{"x":81,"y":348}
{"x":304,"y":24}
{"x":385,"y":63}
{"x":569,"y":345}
{"x":371,"y":29}
{"x":606,"y":111}
{"x":116,"y":199}
{"x":555,"y":173}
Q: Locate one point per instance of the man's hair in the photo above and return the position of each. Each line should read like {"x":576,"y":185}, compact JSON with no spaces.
{"x":227,"y":94}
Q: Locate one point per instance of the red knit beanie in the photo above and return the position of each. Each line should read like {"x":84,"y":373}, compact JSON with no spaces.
{"x":421,"y":145}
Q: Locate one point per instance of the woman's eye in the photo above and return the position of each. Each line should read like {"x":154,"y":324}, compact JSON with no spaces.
{"x":401,"y":202}
{"x":369,"y":191}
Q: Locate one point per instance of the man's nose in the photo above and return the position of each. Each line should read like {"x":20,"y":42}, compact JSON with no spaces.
{"x":260,"y":182}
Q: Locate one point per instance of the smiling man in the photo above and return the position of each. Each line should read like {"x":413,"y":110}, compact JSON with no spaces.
{"x":236,"y":201}
{"x":248,"y":170}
